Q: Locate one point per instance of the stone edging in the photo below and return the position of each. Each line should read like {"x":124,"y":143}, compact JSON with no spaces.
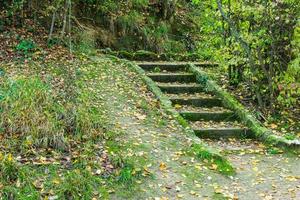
{"x":262,"y":133}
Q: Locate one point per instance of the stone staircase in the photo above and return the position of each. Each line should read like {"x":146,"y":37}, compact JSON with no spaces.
{"x":206,"y":114}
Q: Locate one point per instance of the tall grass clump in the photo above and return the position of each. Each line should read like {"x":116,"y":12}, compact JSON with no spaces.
{"x":29,"y":111}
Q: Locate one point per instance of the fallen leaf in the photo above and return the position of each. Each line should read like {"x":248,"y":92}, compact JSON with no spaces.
{"x":162,"y":166}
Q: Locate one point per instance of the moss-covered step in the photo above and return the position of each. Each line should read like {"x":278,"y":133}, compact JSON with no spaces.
{"x":180,"y":88}
{"x":158,"y":67}
{"x":229,"y":132}
{"x":261,"y":133}
{"x":167,"y":106}
{"x":203,"y":102}
{"x":171,"y":66}
{"x":208,"y":116}
{"x":172,"y":77}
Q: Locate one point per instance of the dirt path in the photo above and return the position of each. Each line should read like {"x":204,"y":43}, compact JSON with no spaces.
{"x":153,"y":135}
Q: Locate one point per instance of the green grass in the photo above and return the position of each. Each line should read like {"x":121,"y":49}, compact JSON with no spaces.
{"x":213,"y":161}
{"x":61,"y":113}
{"x":29,"y":111}
{"x":290,"y":136}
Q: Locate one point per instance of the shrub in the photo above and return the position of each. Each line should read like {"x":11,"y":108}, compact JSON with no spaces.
{"x":25,"y":47}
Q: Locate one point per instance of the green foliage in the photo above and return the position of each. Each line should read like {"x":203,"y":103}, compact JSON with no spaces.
{"x":128,"y":175}
{"x":290,"y":136}
{"x":140,"y":4}
{"x":256,"y":37}
{"x":77,"y":184}
{"x":8,"y":168}
{"x":26,"y":47}
{"x":289,"y":83}
{"x":130,"y":22}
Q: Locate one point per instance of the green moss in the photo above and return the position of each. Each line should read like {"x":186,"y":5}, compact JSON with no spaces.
{"x":126,"y":55}
{"x":229,"y":101}
{"x":142,"y":55}
{"x":222,"y":165}
{"x":145,"y":56}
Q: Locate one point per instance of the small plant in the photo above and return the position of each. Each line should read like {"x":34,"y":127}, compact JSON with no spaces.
{"x":75,"y":184}
{"x":290,"y":136}
{"x":157,"y":69}
{"x":26,"y":47}
{"x":274,"y":150}
{"x":128,"y":174}
{"x":8,"y":168}
{"x":53,"y":42}
{"x":140,"y":4}
{"x":203,"y":80}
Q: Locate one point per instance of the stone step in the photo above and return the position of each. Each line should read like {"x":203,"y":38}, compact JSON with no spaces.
{"x":180,"y":88}
{"x":173,"y":77}
{"x":203,"y":102}
{"x":228,"y":132}
{"x":159,"y":67}
{"x":172,"y":66}
{"x":208,"y":116}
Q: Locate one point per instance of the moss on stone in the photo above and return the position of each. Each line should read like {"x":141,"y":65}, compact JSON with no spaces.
{"x":167,"y":106}
{"x":143,"y":55}
{"x":261,"y":132}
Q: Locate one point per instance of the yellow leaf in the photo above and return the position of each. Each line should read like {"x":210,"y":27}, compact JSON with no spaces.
{"x":1,"y":156}
{"x":56,"y":181}
{"x":177,"y":106}
{"x":273,"y":126}
{"x":162,"y":166}
{"x":9,"y":158}
{"x":214,"y":167}
{"x":218,"y":191}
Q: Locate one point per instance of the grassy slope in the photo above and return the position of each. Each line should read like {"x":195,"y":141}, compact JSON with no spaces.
{"x":56,"y":138}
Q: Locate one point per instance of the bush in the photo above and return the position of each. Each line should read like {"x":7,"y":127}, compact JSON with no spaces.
{"x":25,"y":47}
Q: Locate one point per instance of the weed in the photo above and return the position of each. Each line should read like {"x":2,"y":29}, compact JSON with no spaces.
{"x":8,"y":168}
{"x":274,"y":150}
{"x":2,"y":72}
{"x":290,"y":136}
{"x":76,"y":184}
{"x":157,"y":69}
{"x":53,"y":42}
{"x":25,"y":47}
{"x":219,"y":197}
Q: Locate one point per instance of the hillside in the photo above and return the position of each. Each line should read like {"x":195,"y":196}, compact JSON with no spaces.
{"x":149,"y":99}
